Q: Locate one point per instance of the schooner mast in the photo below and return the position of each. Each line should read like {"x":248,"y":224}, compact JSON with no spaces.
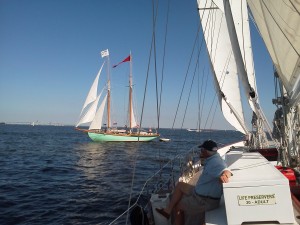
{"x":108,"y":92}
{"x":130,"y":93}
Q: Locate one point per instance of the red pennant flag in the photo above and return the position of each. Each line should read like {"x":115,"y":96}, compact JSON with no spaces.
{"x":125,"y":60}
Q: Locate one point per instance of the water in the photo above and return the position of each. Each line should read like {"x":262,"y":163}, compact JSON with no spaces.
{"x":56,"y":175}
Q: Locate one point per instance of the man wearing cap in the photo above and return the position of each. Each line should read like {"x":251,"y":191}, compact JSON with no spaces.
{"x":207,"y":192}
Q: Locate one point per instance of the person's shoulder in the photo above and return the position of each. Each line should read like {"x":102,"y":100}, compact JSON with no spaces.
{"x":216,"y":156}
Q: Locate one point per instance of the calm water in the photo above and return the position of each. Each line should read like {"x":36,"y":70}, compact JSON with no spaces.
{"x":56,"y":175}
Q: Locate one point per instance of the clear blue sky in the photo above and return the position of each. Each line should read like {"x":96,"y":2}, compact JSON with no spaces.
{"x":49,"y":57}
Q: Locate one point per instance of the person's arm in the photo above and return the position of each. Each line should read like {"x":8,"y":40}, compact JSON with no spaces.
{"x":226,"y":174}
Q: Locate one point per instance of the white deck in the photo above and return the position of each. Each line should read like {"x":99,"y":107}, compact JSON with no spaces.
{"x":253,"y":175}
{"x":218,"y":216}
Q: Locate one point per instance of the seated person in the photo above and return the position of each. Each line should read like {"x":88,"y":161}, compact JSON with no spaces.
{"x":206,"y":194}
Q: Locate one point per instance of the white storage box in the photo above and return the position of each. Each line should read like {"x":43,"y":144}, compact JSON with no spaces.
{"x":257,"y":191}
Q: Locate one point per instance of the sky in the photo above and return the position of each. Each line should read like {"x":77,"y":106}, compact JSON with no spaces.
{"x":50,"y":55}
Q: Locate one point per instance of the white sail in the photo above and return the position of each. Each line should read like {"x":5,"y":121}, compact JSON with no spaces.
{"x":92,"y":95}
{"x":90,"y":114}
{"x":133,"y":121}
{"x":279,"y":25}
{"x":96,"y":123}
{"x":222,"y":61}
{"x":241,"y":23}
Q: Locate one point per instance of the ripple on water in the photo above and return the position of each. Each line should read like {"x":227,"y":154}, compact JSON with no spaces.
{"x":56,"y":175}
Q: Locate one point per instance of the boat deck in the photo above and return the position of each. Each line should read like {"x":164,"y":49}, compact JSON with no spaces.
{"x":218,"y":216}
{"x":260,"y":182}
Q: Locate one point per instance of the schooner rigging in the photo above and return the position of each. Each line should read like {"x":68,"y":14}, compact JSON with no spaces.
{"x":89,"y":112}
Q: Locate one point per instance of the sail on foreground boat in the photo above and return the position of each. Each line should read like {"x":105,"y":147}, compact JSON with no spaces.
{"x":259,"y":192}
{"x":93,"y":114}
{"x":226,"y":32}
{"x":279,"y":25}
{"x":232,"y":65}
{"x":227,"y":35}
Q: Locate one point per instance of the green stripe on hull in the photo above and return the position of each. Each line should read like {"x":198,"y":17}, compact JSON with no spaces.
{"x":109,"y":137}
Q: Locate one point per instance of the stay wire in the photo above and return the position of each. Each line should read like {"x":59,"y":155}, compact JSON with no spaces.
{"x":163,"y":63}
{"x":206,"y":30}
{"x":186,"y":74}
{"x":222,"y":78}
{"x":192,"y":82}
{"x":212,"y":25}
{"x":143,"y":105}
{"x":286,"y":37}
{"x":202,"y":98}
{"x":296,"y":10}
{"x":189,"y":95}
{"x":155,"y":65}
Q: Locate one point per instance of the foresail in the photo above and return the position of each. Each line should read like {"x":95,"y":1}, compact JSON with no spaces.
{"x":278,"y":22}
{"x":90,"y":113}
{"x":241,"y":23}
{"x":223,"y":64}
{"x":92,"y":95}
{"x":97,"y":122}
{"x":133,"y":121}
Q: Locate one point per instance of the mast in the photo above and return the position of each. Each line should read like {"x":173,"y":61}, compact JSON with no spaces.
{"x":130,"y":92}
{"x":108,"y":92}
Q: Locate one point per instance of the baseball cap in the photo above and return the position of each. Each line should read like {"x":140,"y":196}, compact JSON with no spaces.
{"x":209,"y":145}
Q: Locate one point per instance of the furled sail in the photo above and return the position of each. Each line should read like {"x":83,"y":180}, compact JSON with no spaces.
{"x":223,"y":64}
{"x":97,"y":121}
{"x":278,"y":22}
{"x":92,"y":95}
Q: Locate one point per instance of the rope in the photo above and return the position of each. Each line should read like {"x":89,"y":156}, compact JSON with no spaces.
{"x":281,"y":28}
{"x":187,"y":71}
{"x":147,"y":181}
{"x":154,"y":13}
{"x":163,"y":64}
{"x":190,"y":60}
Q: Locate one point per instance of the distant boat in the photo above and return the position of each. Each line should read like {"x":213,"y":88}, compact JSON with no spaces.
{"x":89,"y":113}
{"x":195,"y":130}
{"x":34,"y":123}
{"x":164,"y":139}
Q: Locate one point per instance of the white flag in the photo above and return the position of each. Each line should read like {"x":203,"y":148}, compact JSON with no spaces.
{"x":104,"y":53}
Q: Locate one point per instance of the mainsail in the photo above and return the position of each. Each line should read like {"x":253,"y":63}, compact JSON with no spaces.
{"x":240,"y":18}
{"x":227,"y":35}
{"x":222,"y":61}
{"x":278,"y":22}
{"x":236,"y":15}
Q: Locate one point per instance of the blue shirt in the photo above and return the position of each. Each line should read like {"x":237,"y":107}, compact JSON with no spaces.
{"x":209,"y":183}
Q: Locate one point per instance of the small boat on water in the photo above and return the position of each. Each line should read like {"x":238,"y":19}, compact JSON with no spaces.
{"x":194,"y":130}
{"x":164,"y":139}
{"x":93,"y":114}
